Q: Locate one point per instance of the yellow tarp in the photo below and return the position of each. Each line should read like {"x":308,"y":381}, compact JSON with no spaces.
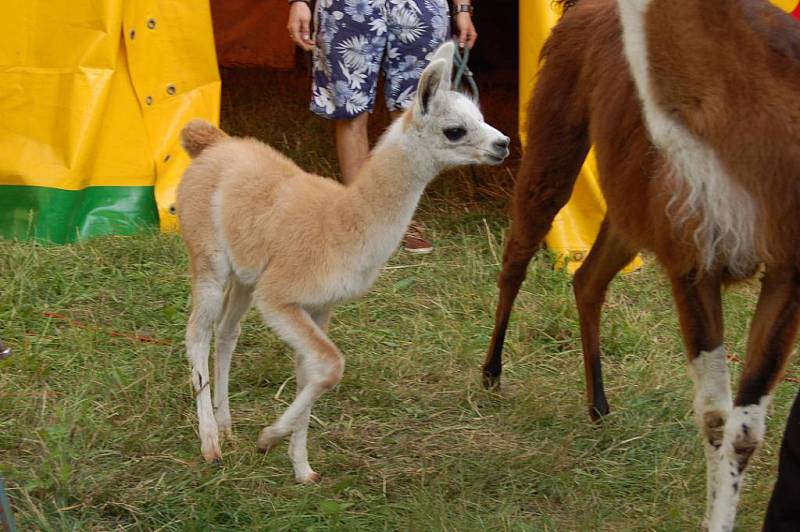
{"x":577,"y":224}
{"x":94,"y":93}
{"x":786,"y":5}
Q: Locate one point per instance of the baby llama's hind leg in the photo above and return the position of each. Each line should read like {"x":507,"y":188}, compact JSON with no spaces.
{"x":237,"y":301}
{"x":207,"y":300}
{"x":320,"y":366}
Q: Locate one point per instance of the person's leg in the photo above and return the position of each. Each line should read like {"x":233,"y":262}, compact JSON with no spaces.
{"x":783,"y":513}
{"x":346,"y":65}
{"x":352,"y":145}
{"x":415,"y":31}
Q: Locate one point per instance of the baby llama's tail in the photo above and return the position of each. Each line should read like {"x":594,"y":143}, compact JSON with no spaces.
{"x":198,"y":135}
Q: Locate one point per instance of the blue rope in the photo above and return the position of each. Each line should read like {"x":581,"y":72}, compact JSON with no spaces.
{"x":462,"y":70}
{"x":6,"y":519}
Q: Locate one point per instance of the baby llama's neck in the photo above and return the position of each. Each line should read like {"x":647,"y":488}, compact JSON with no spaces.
{"x":387,"y":189}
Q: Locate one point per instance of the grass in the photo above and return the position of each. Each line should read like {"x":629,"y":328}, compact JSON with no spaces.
{"x":97,"y":430}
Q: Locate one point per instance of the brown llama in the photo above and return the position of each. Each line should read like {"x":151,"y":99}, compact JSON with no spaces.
{"x":691,"y":106}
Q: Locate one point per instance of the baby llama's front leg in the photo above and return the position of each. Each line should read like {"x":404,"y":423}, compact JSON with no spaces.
{"x":320,"y":366}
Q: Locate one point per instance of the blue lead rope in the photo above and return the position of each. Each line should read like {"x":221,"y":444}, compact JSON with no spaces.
{"x":6,"y":519}
{"x":462,"y":70}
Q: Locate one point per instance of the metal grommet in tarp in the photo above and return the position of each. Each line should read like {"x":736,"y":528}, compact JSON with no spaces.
{"x":151,"y":23}
{"x":132,"y":33}
{"x":148,"y":100}
{"x":171,"y":89}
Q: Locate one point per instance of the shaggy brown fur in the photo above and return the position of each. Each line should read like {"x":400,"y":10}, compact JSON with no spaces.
{"x":728,"y":74}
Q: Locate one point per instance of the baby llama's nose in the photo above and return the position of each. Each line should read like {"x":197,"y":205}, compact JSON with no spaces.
{"x":502,"y":144}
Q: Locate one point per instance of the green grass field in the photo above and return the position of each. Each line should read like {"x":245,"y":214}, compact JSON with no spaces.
{"x":97,"y":429}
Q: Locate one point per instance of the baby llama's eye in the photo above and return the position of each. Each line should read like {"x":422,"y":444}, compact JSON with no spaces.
{"x":454,"y":133}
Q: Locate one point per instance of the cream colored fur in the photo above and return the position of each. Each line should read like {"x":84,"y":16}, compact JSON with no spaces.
{"x":258,"y":228}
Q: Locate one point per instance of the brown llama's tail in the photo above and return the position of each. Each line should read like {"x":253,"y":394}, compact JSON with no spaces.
{"x":565,"y":4}
{"x":198,"y":135}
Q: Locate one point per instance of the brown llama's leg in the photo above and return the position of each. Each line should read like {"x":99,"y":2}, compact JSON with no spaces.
{"x":558,"y":142}
{"x":610,"y":253}
{"x":699,"y":304}
{"x":770,"y":342}
{"x":534,"y":211}
{"x":515,"y":264}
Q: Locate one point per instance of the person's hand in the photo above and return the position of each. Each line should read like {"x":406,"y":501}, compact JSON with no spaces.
{"x":299,"y":25}
{"x":466,"y":30}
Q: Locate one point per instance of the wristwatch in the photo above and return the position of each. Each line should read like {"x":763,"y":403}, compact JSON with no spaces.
{"x":461,"y":8}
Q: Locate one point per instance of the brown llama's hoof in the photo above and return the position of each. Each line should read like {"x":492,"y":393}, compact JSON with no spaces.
{"x":597,"y":412}
{"x":491,"y":382}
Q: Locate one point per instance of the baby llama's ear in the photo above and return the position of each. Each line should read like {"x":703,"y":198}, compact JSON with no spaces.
{"x":431,"y":81}
{"x":446,"y":52}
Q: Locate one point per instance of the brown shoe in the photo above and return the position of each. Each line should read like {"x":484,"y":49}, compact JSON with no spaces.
{"x":415,"y":241}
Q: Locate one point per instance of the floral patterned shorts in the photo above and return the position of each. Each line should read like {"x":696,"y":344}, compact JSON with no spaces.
{"x":356,"y":38}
